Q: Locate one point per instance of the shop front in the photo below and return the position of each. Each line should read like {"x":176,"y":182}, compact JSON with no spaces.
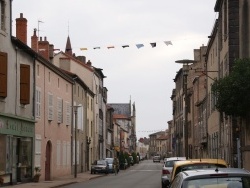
{"x":16,"y":149}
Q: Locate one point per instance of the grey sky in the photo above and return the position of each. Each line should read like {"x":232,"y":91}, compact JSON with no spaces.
{"x":146,"y":74}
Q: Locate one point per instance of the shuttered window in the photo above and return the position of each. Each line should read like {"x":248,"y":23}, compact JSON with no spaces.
{"x":3,"y":74}
{"x":38,"y":103}
{"x":50,"y":107}
{"x":68,"y":113}
{"x":59,"y":110}
{"x":38,"y":150}
{"x":24,"y":84}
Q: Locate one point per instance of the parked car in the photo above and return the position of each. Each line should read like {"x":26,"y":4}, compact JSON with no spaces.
{"x":157,"y":158}
{"x":99,"y":166}
{"x":192,"y":164}
{"x":212,"y":178}
{"x":167,"y":169}
{"x":110,"y":161}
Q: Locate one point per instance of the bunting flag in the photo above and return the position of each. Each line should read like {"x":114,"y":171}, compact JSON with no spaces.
{"x":110,"y":47}
{"x":140,"y":45}
{"x":153,"y":44}
{"x":125,"y":46}
{"x":83,"y":48}
{"x":168,"y":43}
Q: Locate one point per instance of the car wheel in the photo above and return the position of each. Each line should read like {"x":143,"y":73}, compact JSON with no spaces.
{"x":91,"y":172}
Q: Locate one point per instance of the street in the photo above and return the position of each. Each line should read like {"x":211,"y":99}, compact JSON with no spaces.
{"x":146,"y":174}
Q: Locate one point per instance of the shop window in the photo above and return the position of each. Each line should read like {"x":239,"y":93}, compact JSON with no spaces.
{"x":3,"y":74}
{"x":24,"y":84}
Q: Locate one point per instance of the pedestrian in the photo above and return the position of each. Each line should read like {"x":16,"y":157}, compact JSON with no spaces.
{"x":115,"y":165}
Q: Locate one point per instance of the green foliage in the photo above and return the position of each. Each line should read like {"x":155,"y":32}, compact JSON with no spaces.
{"x":121,"y":158}
{"x":233,"y":91}
{"x":134,"y":157}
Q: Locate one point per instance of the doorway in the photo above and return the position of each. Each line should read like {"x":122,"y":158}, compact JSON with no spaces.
{"x":48,"y":161}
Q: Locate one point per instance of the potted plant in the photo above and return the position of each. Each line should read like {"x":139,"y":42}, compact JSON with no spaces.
{"x":37,"y":174}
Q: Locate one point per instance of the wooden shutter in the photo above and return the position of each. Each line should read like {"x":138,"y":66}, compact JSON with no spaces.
{"x":24,"y":84}
{"x":3,"y":74}
{"x":50,"y":107}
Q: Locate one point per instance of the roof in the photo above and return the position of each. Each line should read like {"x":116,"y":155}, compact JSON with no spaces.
{"x":121,"y":108}
{"x":162,"y":137}
{"x":76,"y":60}
{"x":120,"y":116}
{"x":26,"y":49}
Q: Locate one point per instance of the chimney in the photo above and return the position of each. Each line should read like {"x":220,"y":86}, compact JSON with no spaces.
{"x":34,"y":41}
{"x":82,"y":59}
{"x":89,"y":63}
{"x":51,"y":51}
{"x":21,"y":28}
{"x":43,"y":48}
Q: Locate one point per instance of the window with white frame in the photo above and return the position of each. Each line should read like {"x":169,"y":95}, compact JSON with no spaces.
{"x":50,"y":107}
{"x":59,"y":110}
{"x":38,"y":103}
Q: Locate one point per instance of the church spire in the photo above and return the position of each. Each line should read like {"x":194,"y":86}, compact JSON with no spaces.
{"x":68,"y":49}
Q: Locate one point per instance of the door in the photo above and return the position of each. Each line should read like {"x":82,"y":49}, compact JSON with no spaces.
{"x":47,"y":161}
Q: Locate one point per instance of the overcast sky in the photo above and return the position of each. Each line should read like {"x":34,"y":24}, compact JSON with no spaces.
{"x":146,"y":74}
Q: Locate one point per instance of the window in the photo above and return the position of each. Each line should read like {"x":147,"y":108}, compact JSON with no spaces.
{"x":58,"y":153}
{"x":3,"y":74}
{"x":50,"y":107}
{"x":24,"y":84}
{"x":38,"y":103}
{"x":2,"y":17}
{"x":59,"y":110}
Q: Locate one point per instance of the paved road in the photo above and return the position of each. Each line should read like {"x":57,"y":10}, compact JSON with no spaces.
{"x":144,"y":175}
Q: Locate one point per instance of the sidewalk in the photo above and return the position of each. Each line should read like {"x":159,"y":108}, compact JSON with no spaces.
{"x":58,"y":182}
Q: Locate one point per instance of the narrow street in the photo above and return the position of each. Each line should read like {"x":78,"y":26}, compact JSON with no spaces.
{"x":146,"y":174}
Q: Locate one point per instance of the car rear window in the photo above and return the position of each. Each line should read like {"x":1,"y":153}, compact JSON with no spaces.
{"x":170,"y":163}
{"x":229,"y":182}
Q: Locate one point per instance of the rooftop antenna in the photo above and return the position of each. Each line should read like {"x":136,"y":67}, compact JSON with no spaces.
{"x":39,"y":21}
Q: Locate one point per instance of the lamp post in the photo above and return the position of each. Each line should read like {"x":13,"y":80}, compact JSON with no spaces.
{"x":76,"y":126}
{"x":88,"y":141}
{"x":185,"y":63}
{"x":75,"y":111}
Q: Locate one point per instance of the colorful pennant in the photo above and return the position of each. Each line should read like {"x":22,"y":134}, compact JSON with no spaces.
{"x":153,"y":45}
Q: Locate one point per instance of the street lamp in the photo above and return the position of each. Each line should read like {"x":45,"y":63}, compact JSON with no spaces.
{"x":185,"y":63}
{"x":88,"y":141}
{"x":75,"y":111}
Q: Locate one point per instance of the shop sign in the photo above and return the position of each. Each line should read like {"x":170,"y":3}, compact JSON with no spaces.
{"x":16,"y":127}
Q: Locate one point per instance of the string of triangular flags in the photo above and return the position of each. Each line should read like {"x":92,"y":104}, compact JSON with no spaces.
{"x":140,"y":45}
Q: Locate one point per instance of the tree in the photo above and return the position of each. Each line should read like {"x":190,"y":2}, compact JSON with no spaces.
{"x":232,"y":91}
